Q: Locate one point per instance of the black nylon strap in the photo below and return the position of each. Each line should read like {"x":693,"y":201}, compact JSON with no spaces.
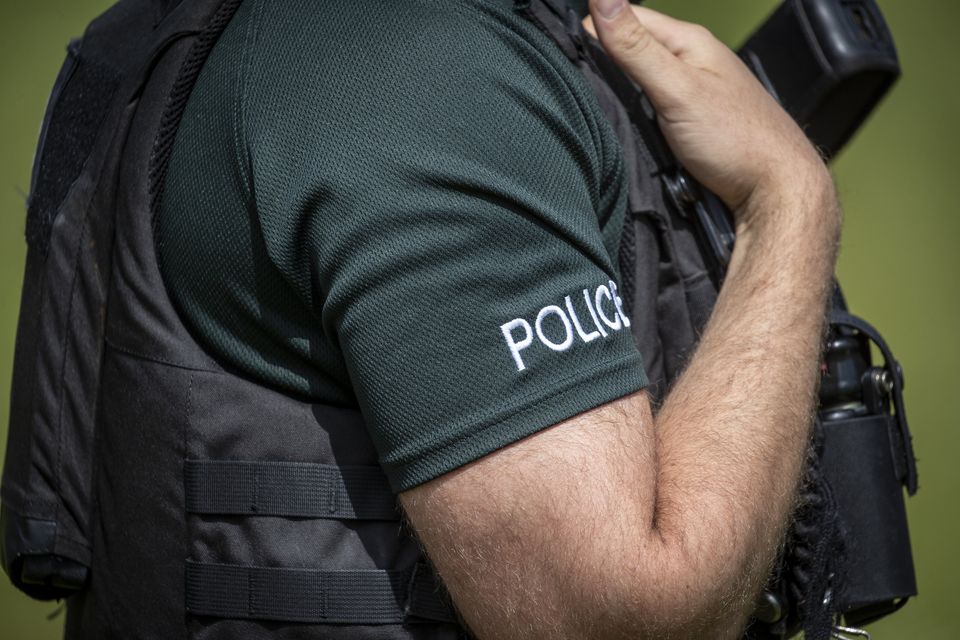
{"x":292,"y":489}
{"x":315,"y":596}
{"x":556,"y":20}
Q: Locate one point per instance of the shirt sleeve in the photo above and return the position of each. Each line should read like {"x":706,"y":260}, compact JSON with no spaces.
{"x":450,"y":207}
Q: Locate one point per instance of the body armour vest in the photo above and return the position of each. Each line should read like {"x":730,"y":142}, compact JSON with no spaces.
{"x":137,"y":483}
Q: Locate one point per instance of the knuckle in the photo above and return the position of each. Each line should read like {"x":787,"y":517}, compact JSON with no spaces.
{"x":699,"y":33}
{"x":634,"y":39}
{"x":702,"y":45}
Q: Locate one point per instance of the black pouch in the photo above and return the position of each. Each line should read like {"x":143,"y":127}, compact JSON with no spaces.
{"x":868,"y":462}
{"x":859,"y":462}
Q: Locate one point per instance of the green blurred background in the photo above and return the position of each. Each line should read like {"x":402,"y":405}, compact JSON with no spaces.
{"x":899,"y":262}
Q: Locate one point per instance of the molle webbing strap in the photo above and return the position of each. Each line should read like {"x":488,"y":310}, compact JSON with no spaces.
{"x":316,"y":596}
{"x":291,"y":489}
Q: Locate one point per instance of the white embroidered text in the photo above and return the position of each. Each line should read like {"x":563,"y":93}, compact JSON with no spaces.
{"x":586,"y":317}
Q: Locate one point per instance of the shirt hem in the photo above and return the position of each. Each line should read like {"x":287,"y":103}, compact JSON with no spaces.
{"x":608,"y":381}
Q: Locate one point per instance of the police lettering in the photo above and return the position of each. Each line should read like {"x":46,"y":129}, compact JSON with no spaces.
{"x":586,"y":317}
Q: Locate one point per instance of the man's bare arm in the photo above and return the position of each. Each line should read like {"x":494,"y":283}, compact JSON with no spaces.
{"x":618,"y":524}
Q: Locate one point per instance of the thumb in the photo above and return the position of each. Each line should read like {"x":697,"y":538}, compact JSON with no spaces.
{"x":635,"y":49}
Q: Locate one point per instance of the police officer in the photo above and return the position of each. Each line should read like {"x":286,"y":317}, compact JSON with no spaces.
{"x":395,"y":227}
{"x":442,"y":251}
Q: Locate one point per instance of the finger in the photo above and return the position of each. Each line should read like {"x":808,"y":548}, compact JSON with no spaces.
{"x":674,"y":34}
{"x":588,"y":25}
{"x":636,"y":48}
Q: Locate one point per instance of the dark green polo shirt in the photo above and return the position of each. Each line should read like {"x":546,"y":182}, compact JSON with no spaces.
{"x":413,"y":208}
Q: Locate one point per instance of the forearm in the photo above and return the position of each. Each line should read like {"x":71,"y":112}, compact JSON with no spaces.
{"x":616,"y":524}
{"x":619,"y":524}
{"x":733,"y":431}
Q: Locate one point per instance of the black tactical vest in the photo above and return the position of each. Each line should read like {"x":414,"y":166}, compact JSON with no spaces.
{"x":167,"y":497}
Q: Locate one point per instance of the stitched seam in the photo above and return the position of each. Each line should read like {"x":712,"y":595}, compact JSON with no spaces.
{"x":418,"y":469}
{"x":241,"y":150}
{"x":155,"y":359}
{"x":250,"y":611}
{"x":58,"y":480}
{"x":185,"y":435}
{"x":588,"y":119}
{"x":517,"y":408}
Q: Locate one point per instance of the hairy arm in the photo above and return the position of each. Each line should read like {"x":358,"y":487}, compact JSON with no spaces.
{"x":617,"y":523}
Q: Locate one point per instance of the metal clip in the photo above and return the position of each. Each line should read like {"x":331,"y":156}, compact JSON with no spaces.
{"x":848,"y":633}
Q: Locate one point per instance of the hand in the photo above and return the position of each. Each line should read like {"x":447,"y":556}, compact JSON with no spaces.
{"x":718,"y":119}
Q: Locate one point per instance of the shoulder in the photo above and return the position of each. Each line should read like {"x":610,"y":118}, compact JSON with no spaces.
{"x":422,"y":62}
{"x":391,"y":89}
{"x":413,"y":30}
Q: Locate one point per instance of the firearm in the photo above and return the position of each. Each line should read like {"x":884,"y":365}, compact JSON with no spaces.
{"x":829,"y":63}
